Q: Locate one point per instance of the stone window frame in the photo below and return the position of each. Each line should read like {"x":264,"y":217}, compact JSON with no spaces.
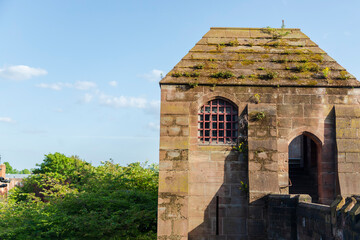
{"x":218,"y":122}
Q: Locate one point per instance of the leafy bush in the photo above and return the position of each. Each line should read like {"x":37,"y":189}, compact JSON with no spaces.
{"x":68,"y":198}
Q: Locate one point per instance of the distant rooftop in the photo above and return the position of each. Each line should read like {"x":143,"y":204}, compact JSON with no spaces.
{"x":259,"y":57}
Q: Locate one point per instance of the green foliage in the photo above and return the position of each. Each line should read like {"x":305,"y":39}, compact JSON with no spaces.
{"x":185,"y":74}
{"x":255,"y":98}
{"x":68,"y":198}
{"x":325,"y":72}
{"x":199,"y":66}
{"x":257,"y":116}
{"x":244,"y":187}
{"x":225,"y":75}
{"x":193,"y":84}
{"x":275,"y":33}
{"x":247,"y":62}
{"x":176,"y":74}
{"x":344,"y":75}
{"x":293,"y":77}
{"x":268,"y":76}
{"x":233,"y":43}
{"x":242,"y":147}
{"x":11,"y":170}
{"x":308,"y":66}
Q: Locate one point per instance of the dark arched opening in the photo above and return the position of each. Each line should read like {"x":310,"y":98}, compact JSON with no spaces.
{"x":303,"y":167}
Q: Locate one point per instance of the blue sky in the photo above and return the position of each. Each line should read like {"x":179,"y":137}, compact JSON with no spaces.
{"x":81,"y":77}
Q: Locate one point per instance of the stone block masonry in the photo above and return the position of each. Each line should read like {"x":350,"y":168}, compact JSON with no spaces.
{"x":283,"y":87}
{"x":295,"y":217}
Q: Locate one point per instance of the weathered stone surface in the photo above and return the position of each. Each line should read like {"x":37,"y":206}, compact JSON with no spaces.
{"x":182,"y":121}
{"x":174,"y":143}
{"x":348,"y":145}
{"x":195,"y":176}
{"x":347,"y":111}
{"x":290,"y":110}
{"x":175,"y":108}
{"x":173,"y":182}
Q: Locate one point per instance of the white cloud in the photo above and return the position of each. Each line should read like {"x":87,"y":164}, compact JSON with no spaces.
{"x":20,"y":72}
{"x":52,"y":86}
{"x":84,"y":85}
{"x":87,"y":98}
{"x":153,"y":76}
{"x":122,"y":101}
{"x":153,"y":126}
{"x":6,"y":119}
{"x":80,"y":85}
{"x":113,"y":83}
{"x":152,"y":107}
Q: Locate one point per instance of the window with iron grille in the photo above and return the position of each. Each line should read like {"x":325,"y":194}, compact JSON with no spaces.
{"x":218,"y":122}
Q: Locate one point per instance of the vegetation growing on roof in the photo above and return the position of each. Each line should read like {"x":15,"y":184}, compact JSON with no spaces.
{"x":309,"y":66}
{"x":233,"y":43}
{"x":317,"y":57}
{"x":252,"y":76}
{"x":268,"y":76}
{"x":249,"y":44}
{"x":344,"y":75}
{"x":229,"y":64}
{"x":224,"y":75}
{"x":247,"y":62}
{"x":274,"y":44}
{"x":212,"y":66}
{"x":282,"y":60}
{"x":176,"y":74}
{"x":298,"y":60}
{"x":275,"y":33}
{"x":325,"y":72}
{"x":293,"y":77}
{"x":193,"y":84}
{"x":185,"y":74}
{"x":312,"y":82}
{"x":198,"y":66}
{"x":220,"y":47}
{"x":241,"y":56}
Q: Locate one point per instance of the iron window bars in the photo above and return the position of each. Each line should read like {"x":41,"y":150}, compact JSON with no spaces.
{"x":218,"y":122}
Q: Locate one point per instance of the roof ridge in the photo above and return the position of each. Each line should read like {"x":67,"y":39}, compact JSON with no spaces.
{"x":239,"y":28}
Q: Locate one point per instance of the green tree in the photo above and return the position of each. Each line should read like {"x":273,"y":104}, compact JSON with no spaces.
{"x":11,"y":170}
{"x":68,"y":198}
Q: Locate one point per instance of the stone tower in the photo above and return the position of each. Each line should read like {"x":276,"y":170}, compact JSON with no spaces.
{"x":247,"y":113}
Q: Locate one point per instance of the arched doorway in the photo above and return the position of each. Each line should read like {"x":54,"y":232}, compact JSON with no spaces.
{"x":304,"y":166}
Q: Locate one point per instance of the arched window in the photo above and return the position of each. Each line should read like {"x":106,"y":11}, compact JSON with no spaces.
{"x":218,"y":122}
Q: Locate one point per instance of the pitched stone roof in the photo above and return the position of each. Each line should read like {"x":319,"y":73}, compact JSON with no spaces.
{"x":258,"y":57}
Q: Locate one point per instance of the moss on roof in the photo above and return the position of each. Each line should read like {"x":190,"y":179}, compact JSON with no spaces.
{"x":258,"y":56}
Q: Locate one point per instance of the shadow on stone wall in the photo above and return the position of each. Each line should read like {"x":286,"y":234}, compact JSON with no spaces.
{"x":329,"y":177}
{"x":226,"y":212}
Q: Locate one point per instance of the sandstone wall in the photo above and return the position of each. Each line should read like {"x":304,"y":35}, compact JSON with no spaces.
{"x":294,"y":217}
{"x":193,"y":176}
